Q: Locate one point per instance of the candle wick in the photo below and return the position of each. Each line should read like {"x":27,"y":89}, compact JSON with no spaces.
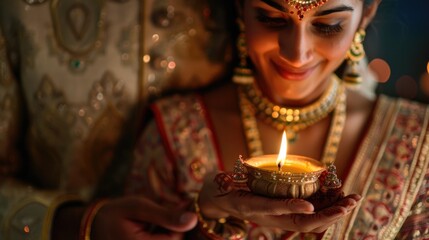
{"x":279,"y":166}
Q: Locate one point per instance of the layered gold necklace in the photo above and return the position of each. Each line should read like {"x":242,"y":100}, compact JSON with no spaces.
{"x":293,"y":120}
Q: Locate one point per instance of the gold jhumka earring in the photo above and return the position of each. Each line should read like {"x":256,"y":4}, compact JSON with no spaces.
{"x":242,"y":73}
{"x":302,"y":6}
{"x":355,"y":53}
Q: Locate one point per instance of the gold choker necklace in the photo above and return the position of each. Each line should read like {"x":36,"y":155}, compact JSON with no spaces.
{"x":249,"y":110}
{"x":292,"y":120}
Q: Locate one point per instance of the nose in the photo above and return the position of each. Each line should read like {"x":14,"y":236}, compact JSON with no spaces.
{"x":296,"y":46}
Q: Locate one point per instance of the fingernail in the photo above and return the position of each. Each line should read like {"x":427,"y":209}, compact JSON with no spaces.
{"x":351,"y":207}
{"x":186,"y":217}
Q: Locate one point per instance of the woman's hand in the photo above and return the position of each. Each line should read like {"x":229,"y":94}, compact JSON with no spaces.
{"x":219,"y":200}
{"x":140,"y":218}
{"x":126,"y":218}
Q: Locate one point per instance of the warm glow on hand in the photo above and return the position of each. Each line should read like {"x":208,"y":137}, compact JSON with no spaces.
{"x":282,"y":152}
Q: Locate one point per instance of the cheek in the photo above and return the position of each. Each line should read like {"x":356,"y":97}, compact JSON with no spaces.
{"x":260,"y":43}
{"x":335,"y":49}
{"x":257,"y":48}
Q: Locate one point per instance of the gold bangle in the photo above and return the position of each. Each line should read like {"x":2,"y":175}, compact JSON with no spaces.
{"x":88,"y":219}
{"x":221,"y":228}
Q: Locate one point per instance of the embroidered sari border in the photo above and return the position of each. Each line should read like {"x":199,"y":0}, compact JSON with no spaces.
{"x":213,"y":137}
{"x":396,"y":152}
{"x":187,"y":135}
{"x":367,"y":160}
{"x":419,"y":164}
{"x":158,"y":112}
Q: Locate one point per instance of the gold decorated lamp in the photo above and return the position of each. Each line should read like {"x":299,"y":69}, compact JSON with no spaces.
{"x":289,"y":176}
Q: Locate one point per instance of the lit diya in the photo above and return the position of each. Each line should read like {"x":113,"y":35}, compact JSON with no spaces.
{"x":283,"y":175}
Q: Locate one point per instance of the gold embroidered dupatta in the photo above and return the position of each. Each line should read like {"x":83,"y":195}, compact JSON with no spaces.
{"x":388,"y":172}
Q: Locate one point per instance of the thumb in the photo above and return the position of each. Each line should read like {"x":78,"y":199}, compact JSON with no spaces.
{"x":177,"y":220}
{"x":182,"y":222}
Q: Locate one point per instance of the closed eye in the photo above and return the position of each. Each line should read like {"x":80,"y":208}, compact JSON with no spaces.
{"x":271,"y":22}
{"x":328,"y":30}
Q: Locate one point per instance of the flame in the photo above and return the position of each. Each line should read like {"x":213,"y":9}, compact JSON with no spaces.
{"x":282,"y":152}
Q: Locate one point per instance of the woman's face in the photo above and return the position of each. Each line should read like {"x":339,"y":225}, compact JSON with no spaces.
{"x":294,"y":58}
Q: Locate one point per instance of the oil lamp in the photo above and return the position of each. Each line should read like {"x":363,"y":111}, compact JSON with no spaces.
{"x":283,"y":175}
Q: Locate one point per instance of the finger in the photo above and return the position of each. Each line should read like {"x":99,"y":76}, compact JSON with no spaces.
{"x":322,"y":219}
{"x":174,"y":220}
{"x":325,"y":227}
{"x":303,"y":222}
{"x":356,"y":197}
{"x":328,"y":223}
{"x":349,"y":203}
{"x":247,"y":204}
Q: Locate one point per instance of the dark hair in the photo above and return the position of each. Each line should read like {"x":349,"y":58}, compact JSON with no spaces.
{"x":367,"y":2}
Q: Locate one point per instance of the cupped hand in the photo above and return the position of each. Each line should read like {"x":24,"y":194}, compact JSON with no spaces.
{"x":298,"y":215}
{"x":316,"y":222}
{"x":134,"y":218}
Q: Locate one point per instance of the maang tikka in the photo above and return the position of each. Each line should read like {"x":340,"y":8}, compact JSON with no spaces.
{"x":355,"y":54}
{"x":302,"y":6}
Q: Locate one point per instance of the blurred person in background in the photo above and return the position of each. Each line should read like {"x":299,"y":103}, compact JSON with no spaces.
{"x":74,"y":78}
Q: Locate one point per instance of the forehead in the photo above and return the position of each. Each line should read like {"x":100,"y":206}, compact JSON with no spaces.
{"x":283,"y":5}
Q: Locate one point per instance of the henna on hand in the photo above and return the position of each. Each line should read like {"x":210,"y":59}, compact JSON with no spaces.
{"x":225,"y":183}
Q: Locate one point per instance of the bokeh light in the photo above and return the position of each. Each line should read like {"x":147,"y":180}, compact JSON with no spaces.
{"x":406,"y":87}
{"x":146,"y":58}
{"x":427,"y":67}
{"x":172,"y":65}
{"x":381,"y":69}
{"x":424,"y":83}
{"x":26,"y":229}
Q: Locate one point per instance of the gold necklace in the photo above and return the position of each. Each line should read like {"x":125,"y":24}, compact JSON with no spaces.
{"x":292,"y":119}
{"x":254,"y":144}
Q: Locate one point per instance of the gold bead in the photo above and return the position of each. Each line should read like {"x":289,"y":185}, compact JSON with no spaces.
{"x":276,"y":108}
{"x":275,"y":114}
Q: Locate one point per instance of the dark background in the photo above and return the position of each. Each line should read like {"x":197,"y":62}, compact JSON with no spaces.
{"x":399,"y":35}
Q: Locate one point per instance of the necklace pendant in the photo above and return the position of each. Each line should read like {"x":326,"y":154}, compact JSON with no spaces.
{"x":291,"y":136}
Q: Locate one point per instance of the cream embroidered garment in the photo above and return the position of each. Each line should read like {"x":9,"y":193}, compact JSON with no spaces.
{"x":74,"y":76}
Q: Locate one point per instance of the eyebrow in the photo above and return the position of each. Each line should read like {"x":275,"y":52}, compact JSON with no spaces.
{"x":341,"y":8}
{"x":275,"y":5}
{"x":280,"y":7}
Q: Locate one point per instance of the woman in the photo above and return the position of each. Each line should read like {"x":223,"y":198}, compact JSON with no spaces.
{"x":379,"y":146}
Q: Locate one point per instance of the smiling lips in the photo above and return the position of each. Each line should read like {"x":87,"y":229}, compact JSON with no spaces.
{"x":293,"y":74}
